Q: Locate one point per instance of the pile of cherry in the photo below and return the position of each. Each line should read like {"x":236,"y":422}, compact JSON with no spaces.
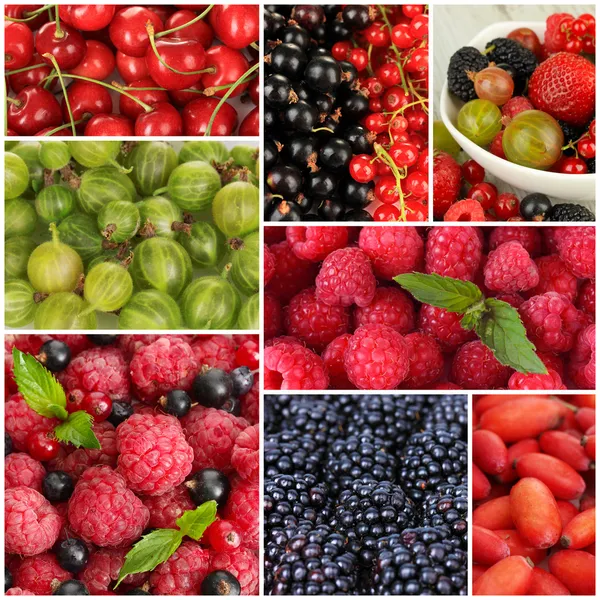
{"x":177,"y":70}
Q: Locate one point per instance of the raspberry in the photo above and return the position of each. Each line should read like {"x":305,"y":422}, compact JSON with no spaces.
{"x":554,"y":277}
{"x":182,"y":573}
{"x":165,"y":365}
{"x":496,"y":145}
{"x":586,"y":300}
{"x":578,"y":249}
{"x":31,"y":523}
{"x":514,"y":299}
{"x":17,"y":591}
{"x":316,"y":243}
{"x":376,"y":358}
{"x":242,"y":564}
{"x":551,"y":321}
{"x":38,"y":573}
{"x":102,"y":571}
{"x":212,"y":433}
{"x":273,"y":319}
{"x":217,"y":351}
{"x":582,"y":366}
{"x":102,"y":510}
{"x":392,"y":250}
{"x":168,"y":507}
{"x":444,"y":326}
{"x":465,"y":210}
{"x":243,"y":508}
{"x":292,"y":274}
{"x":536,"y":381}
{"x":426,"y":362}
{"x":447,"y":178}
{"x":333,"y":357}
{"x":453,"y":252}
{"x":291,"y":366}
{"x":475,"y":367}
{"x":552,"y":235}
{"x":20,"y":421}
{"x":245,"y":457}
{"x":20,"y":469}
{"x":346,"y":278}
{"x":510,"y":269}
{"x":99,"y":369}
{"x":516,"y":105}
{"x":268,"y":265}
{"x":552,"y":361}
{"x":554,"y":35}
{"x":250,"y":409}
{"x":529,"y":237}
{"x":153,"y":453}
{"x":273,"y":235}
{"x":130,"y":344}
{"x":391,"y":307}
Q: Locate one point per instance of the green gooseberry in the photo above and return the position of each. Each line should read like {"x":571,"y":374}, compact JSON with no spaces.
{"x":19,"y":303}
{"x":235,"y":209}
{"x":193,"y":185}
{"x":107,"y":256}
{"x":95,"y":153}
{"x":119,"y":220}
{"x":64,"y":310}
{"x":102,"y":185}
{"x":54,"y":155}
{"x":80,"y":232}
{"x":480,"y":121}
{"x":210,"y":152}
{"x":54,"y":203}
{"x":157,"y":215}
{"x":108,"y":287}
{"x":20,"y":217}
{"x":16,"y":176}
{"x":17,"y":251}
{"x":245,"y":272}
{"x":443,"y":140}
{"x":248,"y":318}
{"x":150,"y":309}
{"x":210,"y":303}
{"x":29,"y":152}
{"x":204,"y":243}
{"x":152,"y":163}
{"x":245,"y":156}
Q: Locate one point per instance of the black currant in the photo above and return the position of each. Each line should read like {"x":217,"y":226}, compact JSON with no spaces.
{"x":209,"y":484}
{"x":274,"y":23}
{"x":8,"y":579}
{"x":323,"y":74}
{"x":220,"y":583}
{"x":302,"y":149}
{"x":271,"y":118}
{"x":55,"y":355}
{"x":285,"y":211}
{"x":57,"y":486}
{"x":278,"y":91}
{"x":349,"y":73}
{"x":288,"y":59}
{"x":359,"y":138}
{"x":242,"y":379}
{"x":302,"y":91}
{"x":358,"y":215}
{"x":232,"y":406}
{"x":339,"y":31}
{"x":71,"y":587}
{"x":355,"y":106}
{"x":8,"y":444}
{"x":336,"y":154}
{"x":294,"y":34}
{"x":212,"y":388}
{"x":319,"y":50}
{"x":324,"y":103}
{"x":321,"y":185}
{"x":271,"y":154}
{"x":308,"y":15}
{"x":356,"y":17}
{"x":304,"y":203}
{"x":176,"y":403}
{"x":121,"y":411}
{"x":534,"y":206}
{"x":300,"y":116}
{"x":356,"y":195}
{"x":331,"y":209}
{"x":72,"y":555}
{"x":285,"y":180}
{"x":102,"y":339}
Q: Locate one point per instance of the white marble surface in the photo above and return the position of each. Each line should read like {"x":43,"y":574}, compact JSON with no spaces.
{"x":455,"y":25}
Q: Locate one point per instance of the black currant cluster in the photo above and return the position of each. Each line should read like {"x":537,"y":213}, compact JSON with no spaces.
{"x":313,"y":105}
{"x":365,"y":495}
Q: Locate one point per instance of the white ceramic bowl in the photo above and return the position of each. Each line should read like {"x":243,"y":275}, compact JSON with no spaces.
{"x":565,"y":187}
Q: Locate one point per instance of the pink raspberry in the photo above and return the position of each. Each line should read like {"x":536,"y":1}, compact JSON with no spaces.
{"x":392,"y":250}
{"x":586,"y":299}
{"x":446,"y":385}
{"x":292,"y":274}
{"x":475,"y":367}
{"x":103,"y":511}
{"x":154,"y":455}
{"x":391,"y":307}
{"x":444,"y":326}
{"x":426,"y":362}
{"x":313,"y":321}
{"x":333,"y":357}
{"x":510,"y":269}
{"x":529,"y":237}
{"x":212,"y":433}
{"x":536,"y":381}
{"x":453,"y":252}
{"x":551,"y":321}
{"x":554,"y":277}
{"x":268,"y":265}
{"x":283,"y":339}
{"x":168,"y":507}
{"x":242,"y":564}
{"x":315,"y":243}
{"x":245,"y":457}
{"x":578,"y":249}
{"x":38,"y":573}
{"x":99,"y":369}
{"x":250,"y":409}
{"x":514,"y":299}
{"x":273,"y":316}
{"x":102,"y":571}
{"x":20,"y":469}
{"x":216,"y":351}
{"x":182,"y":573}
{"x":243,"y":507}
{"x":31,"y":523}
{"x":274,"y":235}
{"x":496,"y":145}
{"x":516,"y":105}
{"x":291,"y":366}
{"x":17,"y":591}
{"x":346,"y":278}
{"x":376,"y":358}
{"x":582,"y":365}
{"x":20,"y":421}
{"x":552,"y":361}
{"x":551,"y":237}
{"x":130,"y":344}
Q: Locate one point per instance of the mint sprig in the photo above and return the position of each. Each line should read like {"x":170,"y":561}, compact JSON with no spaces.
{"x":497,"y":323}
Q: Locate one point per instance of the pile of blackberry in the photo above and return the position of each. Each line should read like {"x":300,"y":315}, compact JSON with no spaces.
{"x":366,"y":494}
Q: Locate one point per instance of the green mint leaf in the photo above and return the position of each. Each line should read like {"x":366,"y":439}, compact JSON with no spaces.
{"x":39,"y":387}
{"x":452,"y":294}
{"x":77,"y":430}
{"x":193,"y":523}
{"x":501,"y":330}
{"x":470,"y":320}
{"x":152,"y":550}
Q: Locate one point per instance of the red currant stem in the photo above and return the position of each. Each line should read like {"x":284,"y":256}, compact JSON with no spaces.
{"x":369,"y":67}
{"x":226,"y":95}
{"x":322,"y":129}
{"x":180,"y":27}
{"x":255,"y":46}
{"x":422,"y":101}
{"x":59,"y":32}
{"x":210,"y":91}
{"x":25,"y":69}
{"x":65,"y":126}
{"x":31,"y":14}
{"x":51,"y":58}
{"x":387,"y":159}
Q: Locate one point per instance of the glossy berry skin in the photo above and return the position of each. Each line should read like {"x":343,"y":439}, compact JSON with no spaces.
{"x":90,"y":17}
{"x":163,"y":120}
{"x":361,"y":168}
{"x":573,"y":166}
{"x":121,"y":411}
{"x":212,"y":388}
{"x":132,"y":109}
{"x":42,"y":447}
{"x":55,"y":355}
{"x":242,"y":380}
{"x":209,"y":484}
{"x":33,"y":77}
{"x":199,"y":31}
{"x":197,"y":114}
{"x":18,"y":45}
{"x":36,"y":109}
{"x":72,"y":555}
{"x":67,"y":48}
{"x":98,"y":62}
{"x":71,"y":587}
{"x":128,"y":32}
{"x":131,"y":68}
{"x":472,"y":172}
{"x":484,"y":193}
{"x":229,"y":66}
{"x":236,"y":25}
{"x":86,"y":98}
{"x":181,"y":54}
{"x":108,"y":125}
{"x":506,"y":206}
{"x":58,"y":486}
{"x":220,"y":583}
{"x":97,"y":404}
{"x":250,"y":126}
{"x":176,"y":403}
{"x":247,"y":355}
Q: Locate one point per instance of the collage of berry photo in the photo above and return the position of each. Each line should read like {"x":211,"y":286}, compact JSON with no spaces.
{"x":131,"y":464}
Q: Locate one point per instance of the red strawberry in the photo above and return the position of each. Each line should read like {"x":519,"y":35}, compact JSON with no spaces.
{"x":446,"y":183}
{"x":564,"y":86}
{"x":555,"y":36}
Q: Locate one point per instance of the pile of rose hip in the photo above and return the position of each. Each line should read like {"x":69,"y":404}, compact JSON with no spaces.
{"x":177,"y":69}
{"x":534,"y":518}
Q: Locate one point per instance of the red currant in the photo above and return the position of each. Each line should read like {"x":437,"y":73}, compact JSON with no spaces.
{"x":247,"y":355}
{"x":404,"y":155}
{"x":377,"y":34}
{"x":416,"y":184}
{"x":395,"y":98}
{"x":386,"y":190}
{"x":387,"y":212}
{"x":472,"y":172}
{"x":574,"y":45}
{"x":375,"y":105}
{"x":485,"y":193}
{"x":579,"y":27}
{"x":42,"y":446}
{"x":416,"y":211}
{"x":573,"y":166}
{"x":362,"y":168}
{"x":423,"y":162}
{"x":359,"y":58}
{"x":592,"y":130}
{"x":376,"y":122}
{"x":75,"y":400}
{"x":412,"y":10}
{"x":417,"y":119}
{"x":419,"y":26}
{"x":389,"y":74}
{"x":402,"y":36}
{"x":340,"y":50}
{"x":506,"y":206}
{"x":374,"y":86}
{"x":97,"y":404}
{"x":586,"y":148}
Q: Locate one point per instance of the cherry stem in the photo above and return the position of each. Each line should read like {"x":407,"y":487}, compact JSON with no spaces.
{"x":387,"y":159}
{"x":226,"y":95}
{"x":65,"y":126}
{"x":49,"y":82}
{"x":158,"y":89}
{"x":22,"y":70}
{"x":51,"y":58}
{"x":255,"y":46}
{"x":31,"y":15}
{"x":194,"y":20}
{"x":210,"y":91}
{"x":14,"y":101}
{"x":59,"y":32}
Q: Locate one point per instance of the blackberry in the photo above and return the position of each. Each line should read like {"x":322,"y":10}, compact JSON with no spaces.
{"x":315,"y":418}
{"x":572,"y":134}
{"x":505,"y":50}
{"x":288,"y":453}
{"x":446,"y":412}
{"x":465,"y":60}
{"x":431,"y":459}
{"x":591,"y":164}
{"x":419,"y":562}
{"x":449,"y":509}
{"x":569,"y":212}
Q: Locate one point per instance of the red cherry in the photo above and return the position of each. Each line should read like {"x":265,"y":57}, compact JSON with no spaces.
{"x":97,"y":404}
{"x":46,"y":132}
{"x":18,"y":45}
{"x":416,"y":211}
{"x":128,"y":32}
{"x":131,"y":68}
{"x":64,"y":13}
{"x":485,"y":193}
{"x":229,"y":66}
{"x":91,"y":17}
{"x":34,"y":108}
{"x":250,"y":126}
{"x":183,"y":55}
{"x":236,"y":25}
{"x":41,"y":446}
{"x":181,"y":97}
{"x":98,"y":62}
{"x":132,"y":109}
{"x":109,"y":125}
{"x":20,"y":11}
{"x":163,"y":120}
{"x":34,"y":77}
{"x":68,"y":47}
{"x":86,"y":99}
{"x":199,"y":31}
{"x":247,"y":355}
{"x":387,"y":212}
{"x":197,"y":114}
{"x":163,"y":12}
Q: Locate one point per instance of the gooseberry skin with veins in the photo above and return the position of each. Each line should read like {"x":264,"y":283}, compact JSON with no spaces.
{"x":479,"y":121}
{"x":494,"y":84}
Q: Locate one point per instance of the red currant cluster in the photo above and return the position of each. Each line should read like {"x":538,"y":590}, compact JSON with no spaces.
{"x":175,"y":80}
{"x":567,"y":33}
{"x":584,"y":150}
